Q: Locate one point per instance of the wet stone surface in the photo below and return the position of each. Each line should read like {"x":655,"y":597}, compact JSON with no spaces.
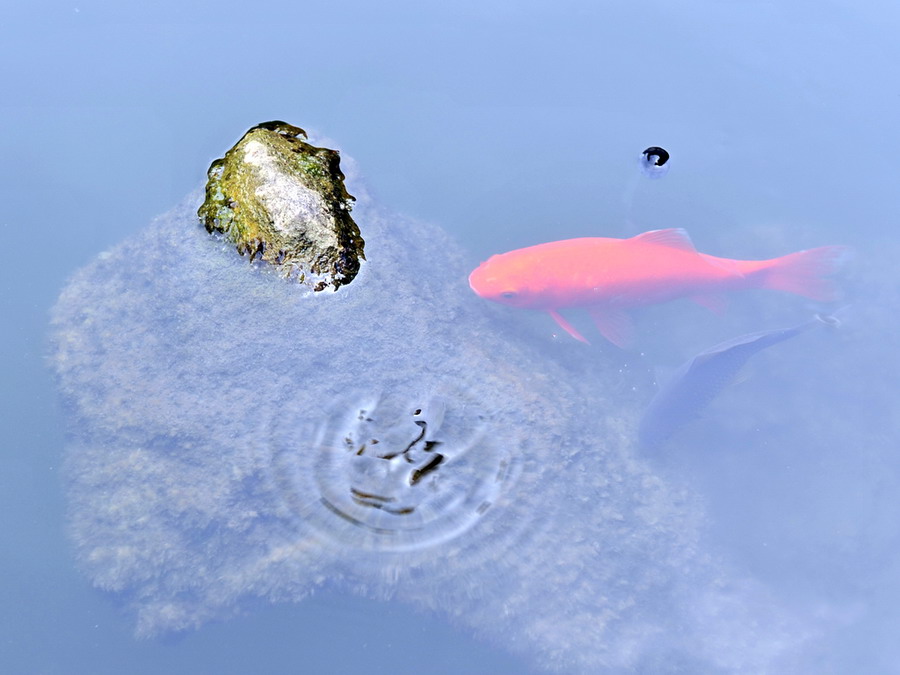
{"x":278,"y":198}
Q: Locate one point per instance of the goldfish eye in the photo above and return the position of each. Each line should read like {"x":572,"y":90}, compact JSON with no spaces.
{"x":509,"y":295}
{"x":655,"y":162}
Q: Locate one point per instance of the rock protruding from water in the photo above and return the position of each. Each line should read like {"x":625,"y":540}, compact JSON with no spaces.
{"x":276,"y":197}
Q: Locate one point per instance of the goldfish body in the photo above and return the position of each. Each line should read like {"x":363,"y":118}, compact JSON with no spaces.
{"x":609,"y":276}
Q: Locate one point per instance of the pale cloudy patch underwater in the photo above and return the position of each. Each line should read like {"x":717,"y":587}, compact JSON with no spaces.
{"x":223,"y":450}
{"x":508,"y":125}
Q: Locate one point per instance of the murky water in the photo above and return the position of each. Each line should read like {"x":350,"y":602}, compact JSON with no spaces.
{"x":521,"y":532}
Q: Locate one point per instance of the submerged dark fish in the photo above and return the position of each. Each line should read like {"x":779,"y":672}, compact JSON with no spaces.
{"x":695,"y":383}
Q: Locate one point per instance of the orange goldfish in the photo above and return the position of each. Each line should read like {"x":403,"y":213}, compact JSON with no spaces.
{"x":608,"y":277}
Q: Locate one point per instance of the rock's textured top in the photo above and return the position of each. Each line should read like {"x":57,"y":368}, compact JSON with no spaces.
{"x":277,"y":197}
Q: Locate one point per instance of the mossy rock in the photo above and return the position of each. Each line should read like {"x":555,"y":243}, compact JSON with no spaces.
{"x":282,"y":200}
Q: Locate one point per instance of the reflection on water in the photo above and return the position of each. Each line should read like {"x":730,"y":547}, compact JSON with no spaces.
{"x":389,"y":472}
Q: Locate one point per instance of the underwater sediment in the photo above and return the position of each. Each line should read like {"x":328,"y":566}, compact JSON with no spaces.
{"x":236,"y":436}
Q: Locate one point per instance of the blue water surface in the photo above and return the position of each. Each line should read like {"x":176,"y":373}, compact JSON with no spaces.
{"x":508,"y":124}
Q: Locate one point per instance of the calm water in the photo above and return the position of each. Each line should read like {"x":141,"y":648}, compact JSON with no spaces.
{"x":508,"y":125}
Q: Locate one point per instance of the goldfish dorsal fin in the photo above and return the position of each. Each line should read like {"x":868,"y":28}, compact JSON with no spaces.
{"x":674,"y":237}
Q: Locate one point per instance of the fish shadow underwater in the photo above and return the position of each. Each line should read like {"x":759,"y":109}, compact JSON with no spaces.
{"x":698,"y":381}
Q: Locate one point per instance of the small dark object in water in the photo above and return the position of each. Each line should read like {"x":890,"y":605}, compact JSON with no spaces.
{"x":656,"y":155}
{"x":654,"y":162}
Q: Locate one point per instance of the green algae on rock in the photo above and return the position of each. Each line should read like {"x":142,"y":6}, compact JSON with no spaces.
{"x":277,"y":197}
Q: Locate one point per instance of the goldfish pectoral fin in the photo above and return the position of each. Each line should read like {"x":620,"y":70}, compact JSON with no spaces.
{"x":566,"y":326}
{"x":614,"y":324}
{"x":674,"y":237}
{"x":714,"y":302}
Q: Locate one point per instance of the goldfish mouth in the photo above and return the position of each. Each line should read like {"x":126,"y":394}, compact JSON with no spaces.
{"x":485,"y":288}
{"x":475,"y":282}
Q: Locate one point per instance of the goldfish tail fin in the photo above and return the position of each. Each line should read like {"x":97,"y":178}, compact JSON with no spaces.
{"x":804,"y":272}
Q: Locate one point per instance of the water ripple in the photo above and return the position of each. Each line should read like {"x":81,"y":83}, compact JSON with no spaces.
{"x":389,"y":472}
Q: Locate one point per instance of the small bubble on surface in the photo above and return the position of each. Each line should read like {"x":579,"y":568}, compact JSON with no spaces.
{"x":654,"y":162}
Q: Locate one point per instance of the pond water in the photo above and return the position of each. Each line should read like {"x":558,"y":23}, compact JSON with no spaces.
{"x":504,"y":125}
